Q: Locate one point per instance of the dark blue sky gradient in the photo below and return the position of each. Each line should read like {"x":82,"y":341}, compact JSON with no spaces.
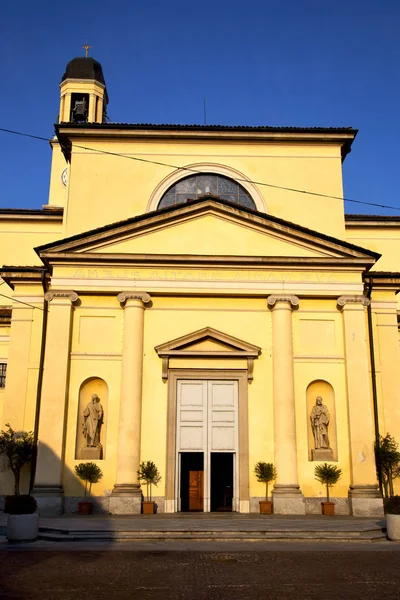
{"x":281,"y":63}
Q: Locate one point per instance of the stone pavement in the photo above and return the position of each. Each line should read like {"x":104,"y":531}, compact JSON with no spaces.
{"x":312,"y":574}
{"x":209,"y":526}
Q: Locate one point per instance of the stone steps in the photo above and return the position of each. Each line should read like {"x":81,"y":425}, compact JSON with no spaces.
{"x":59,"y":535}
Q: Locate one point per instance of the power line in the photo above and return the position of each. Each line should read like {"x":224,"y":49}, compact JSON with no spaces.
{"x":191,"y":170}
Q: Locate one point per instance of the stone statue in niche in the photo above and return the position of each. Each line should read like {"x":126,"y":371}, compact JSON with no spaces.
{"x":93,"y":416}
{"x":319,"y":422}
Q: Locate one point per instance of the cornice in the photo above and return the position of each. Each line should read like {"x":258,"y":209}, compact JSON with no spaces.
{"x":93,"y":259}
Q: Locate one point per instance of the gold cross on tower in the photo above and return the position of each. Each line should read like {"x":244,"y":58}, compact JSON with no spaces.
{"x":86,"y":49}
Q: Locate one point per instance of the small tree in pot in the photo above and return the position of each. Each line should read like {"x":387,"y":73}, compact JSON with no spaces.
{"x":148,"y":473}
{"x":265,"y":473}
{"x":328,"y":475}
{"x":89,"y":473}
{"x":17,"y":449}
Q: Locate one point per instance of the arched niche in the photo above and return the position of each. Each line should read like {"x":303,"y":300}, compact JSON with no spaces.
{"x":322,"y":388}
{"x":93,"y":385}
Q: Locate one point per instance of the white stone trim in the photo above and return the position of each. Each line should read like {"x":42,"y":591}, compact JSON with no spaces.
{"x":204,"y":167}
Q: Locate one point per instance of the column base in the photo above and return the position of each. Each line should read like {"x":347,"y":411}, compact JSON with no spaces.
{"x":365,"y":501}
{"x":288,"y":500}
{"x":49,"y":499}
{"x":126,"y":499}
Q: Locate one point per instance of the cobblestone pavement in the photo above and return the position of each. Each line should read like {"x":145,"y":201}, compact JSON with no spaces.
{"x":197,"y":575}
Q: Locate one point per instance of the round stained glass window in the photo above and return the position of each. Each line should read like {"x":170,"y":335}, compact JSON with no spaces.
{"x":195,"y":186}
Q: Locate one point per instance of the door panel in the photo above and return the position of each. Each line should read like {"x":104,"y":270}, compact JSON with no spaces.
{"x":196,"y":490}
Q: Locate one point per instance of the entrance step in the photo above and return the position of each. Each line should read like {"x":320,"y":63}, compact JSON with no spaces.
{"x":64,"y":535}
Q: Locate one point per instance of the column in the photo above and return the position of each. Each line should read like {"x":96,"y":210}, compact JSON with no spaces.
{"x":48,"y":487}
{"x":92,"y":108}
{"x":287,"y":496}
{"x":66,"y":115}
{"x":99,"y":115}
{"x":127,"y":496}
{"x":364,"y":496}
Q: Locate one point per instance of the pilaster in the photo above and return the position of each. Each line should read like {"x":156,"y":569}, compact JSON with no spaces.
{"x":365,"y":499}
{"x":48,"y":487}
{"x":23,"y":357}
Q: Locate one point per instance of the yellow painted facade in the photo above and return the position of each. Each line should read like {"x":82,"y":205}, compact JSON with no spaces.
{"x":290,"y":300}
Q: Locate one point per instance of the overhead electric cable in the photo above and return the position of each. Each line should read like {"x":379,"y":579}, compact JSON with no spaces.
{"x":191,"y":170}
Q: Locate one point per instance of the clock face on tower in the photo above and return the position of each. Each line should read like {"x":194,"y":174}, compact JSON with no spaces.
{"x":64,"y":176}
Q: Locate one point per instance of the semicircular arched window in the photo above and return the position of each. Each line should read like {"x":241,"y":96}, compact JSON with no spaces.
{"x":195,"y":186}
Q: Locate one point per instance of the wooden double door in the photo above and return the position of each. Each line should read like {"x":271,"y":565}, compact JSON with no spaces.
{"x":206,"y":429}
{"x":196,"y":490}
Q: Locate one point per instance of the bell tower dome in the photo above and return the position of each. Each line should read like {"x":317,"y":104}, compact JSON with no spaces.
{"x":83,"y":92}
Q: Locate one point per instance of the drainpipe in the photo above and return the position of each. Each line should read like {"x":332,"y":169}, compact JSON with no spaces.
{"x":40,"y":380}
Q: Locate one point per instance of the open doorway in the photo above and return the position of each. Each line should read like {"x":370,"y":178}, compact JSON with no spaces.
{"x":221,"y":481}
{"x":192,"y":481}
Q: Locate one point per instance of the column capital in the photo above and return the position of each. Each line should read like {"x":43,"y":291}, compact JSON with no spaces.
{"x":274,"y":299}
{"x":343,"y":300}
{"x":63,"y":294}
{"x":142,"y":296}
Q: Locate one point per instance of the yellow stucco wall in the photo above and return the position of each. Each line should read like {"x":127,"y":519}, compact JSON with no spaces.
{"x":104,"y":188}
{"x":168,"y":318}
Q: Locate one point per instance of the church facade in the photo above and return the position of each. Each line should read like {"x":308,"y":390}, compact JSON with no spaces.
{"x":179,"y":299}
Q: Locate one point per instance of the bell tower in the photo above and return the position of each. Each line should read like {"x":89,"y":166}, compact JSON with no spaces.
{"x":83,"y":92}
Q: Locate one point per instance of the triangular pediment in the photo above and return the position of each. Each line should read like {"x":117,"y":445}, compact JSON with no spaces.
{"x":208,"y":343}
{"x":205,"y":227}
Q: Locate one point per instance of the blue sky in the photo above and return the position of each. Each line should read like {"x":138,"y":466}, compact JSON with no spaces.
{"x":281,"y":63}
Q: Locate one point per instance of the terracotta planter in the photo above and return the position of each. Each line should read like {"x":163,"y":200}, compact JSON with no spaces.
{"x":328,"y":508}
{"x":148,"y":508}
{"x":85,"y":507}
{"x":265,"y":507}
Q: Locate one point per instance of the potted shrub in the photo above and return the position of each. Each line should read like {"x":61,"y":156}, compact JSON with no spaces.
{"x":328,"y":475}
{"x":148,"y":473}
{"x":89,"y":473}
{"x":265,"y":473}
{"x":17,"y":449}
{"x":392,"y":510}
{"x":23,"y":519}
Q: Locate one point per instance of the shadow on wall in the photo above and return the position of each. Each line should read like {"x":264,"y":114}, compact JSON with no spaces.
{"x":53,"y":502}
{"x":30,"y":574}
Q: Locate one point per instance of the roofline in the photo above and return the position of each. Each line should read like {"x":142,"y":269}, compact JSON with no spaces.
{"x":338,"y":135}
{"x":372,"y":220}
{"x":383,"y":280}
{"x":11,"y":274}
{"x":198,"y":203}
{"x":32,"y":214}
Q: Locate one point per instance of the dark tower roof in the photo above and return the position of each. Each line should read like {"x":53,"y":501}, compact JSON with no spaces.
{"x":84,"y":68}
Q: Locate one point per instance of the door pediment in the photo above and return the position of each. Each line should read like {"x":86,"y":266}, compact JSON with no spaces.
{"x":207,"y":343}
